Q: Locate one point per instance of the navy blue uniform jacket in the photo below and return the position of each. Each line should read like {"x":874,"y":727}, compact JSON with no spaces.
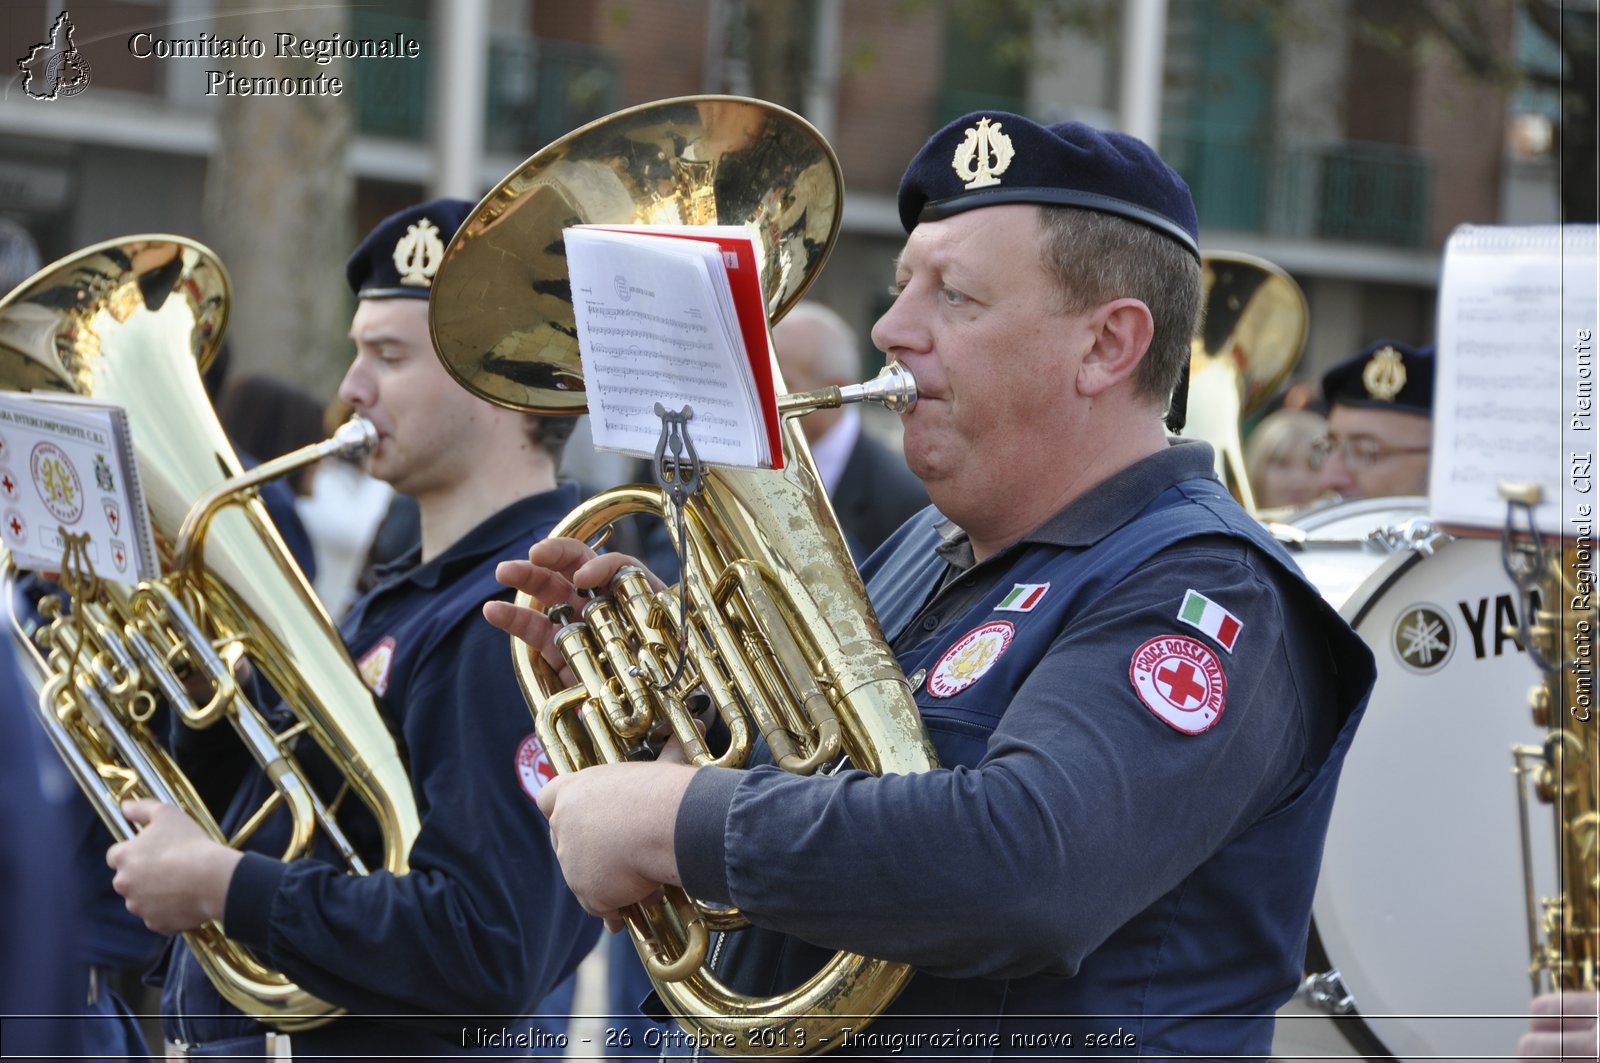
{"x":483,"y":925}
{"x":1119,"y":849}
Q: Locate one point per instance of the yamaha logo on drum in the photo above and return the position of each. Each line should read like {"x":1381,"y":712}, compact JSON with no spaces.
{"x":1423,"y":638}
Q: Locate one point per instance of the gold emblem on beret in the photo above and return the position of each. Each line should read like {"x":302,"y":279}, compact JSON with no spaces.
{"x":971,"y":161}
{"x":1384,"y":374}
{"x":418,"y":253}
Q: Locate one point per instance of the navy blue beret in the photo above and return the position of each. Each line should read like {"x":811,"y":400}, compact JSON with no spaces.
{"x":400,"y":256}
{"x":1387,"y":375}
{"x":992,"y":157}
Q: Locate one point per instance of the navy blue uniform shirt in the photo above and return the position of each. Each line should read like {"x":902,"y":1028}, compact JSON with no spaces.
{"x":483,"y":925}
{"x":1140,"y":710}
{"x":42,"y":975}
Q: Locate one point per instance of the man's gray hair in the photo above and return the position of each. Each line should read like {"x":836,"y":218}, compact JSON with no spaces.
{"x":1099,"y":257}
{"x":841,"y":353}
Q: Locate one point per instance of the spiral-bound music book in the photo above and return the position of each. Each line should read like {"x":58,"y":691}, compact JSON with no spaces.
{"x":675,"y":315}
{"x":67,"y":467}
{"x":1515,"y":395}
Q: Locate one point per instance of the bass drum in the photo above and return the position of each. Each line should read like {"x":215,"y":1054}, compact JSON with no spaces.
{"x":1419,"y":918}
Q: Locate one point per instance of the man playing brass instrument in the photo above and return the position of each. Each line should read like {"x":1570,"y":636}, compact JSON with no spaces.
{"x":482,"y":924}
{"x":1140,"y":707}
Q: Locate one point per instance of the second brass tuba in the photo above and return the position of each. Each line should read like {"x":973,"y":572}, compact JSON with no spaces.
{"x":780,"y":638}
{"x":1250,"y":338}
{"x":132,"y":322}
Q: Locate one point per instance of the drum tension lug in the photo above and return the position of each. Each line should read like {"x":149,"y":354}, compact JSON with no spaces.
{"x":1326,"y":990}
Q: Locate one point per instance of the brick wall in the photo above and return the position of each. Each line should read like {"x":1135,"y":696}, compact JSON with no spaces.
{"x":891,"y":69}
{"x":660,"y":44}
{"x":1461,"y":123}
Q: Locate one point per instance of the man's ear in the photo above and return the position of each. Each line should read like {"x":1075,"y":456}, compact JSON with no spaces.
{"x":1122,"y":332}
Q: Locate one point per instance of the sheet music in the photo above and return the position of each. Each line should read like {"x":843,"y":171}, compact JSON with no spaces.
{"x":1515,"y":392}
{"x":656,"y":323}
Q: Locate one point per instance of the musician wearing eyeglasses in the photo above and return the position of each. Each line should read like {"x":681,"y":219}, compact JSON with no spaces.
{"x":1380,"y":428}
{"x":1139,"y":706}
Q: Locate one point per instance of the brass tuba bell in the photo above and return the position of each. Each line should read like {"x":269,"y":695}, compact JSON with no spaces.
{"x":1250,"y":339}
{"x":132,"y":322}
{"x":780,"y":638}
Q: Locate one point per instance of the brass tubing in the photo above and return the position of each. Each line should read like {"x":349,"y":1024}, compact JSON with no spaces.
{"x":601,"y":614}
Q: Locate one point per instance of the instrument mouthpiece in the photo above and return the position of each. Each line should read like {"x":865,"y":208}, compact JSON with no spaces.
{"x":354,"y":439}
{"x":894,"y":388}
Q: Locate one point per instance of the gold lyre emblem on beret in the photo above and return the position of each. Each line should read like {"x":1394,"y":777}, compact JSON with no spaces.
{"x":971,"y":161}
{"x":1384,"y":374}
{"x":418,"y":253}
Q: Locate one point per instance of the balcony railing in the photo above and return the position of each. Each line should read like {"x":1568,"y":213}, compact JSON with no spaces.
{"x":542,"y":89}
{"x":391,"y":95}
{"x":537,"y":89}
{"x":1336,"y":190}
{"x":1368,"y":193}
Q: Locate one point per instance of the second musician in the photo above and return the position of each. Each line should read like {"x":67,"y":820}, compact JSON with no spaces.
{"x":482,"y":924}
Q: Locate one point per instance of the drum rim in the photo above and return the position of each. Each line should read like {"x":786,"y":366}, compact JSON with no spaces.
{"x":1378,"y":581}
{"x":1352,"y":1025}
{"x":1324,"y":511}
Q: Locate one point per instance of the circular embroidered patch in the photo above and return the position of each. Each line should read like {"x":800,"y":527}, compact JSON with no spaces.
{"x":533,"y":766}
{"x":1181,"y":681}
{"x":972,"y":655}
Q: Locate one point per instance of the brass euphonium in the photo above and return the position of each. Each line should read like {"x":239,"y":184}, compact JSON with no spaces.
{"x":779,"y":636}
{"x":1250,"y":338}
{"x":132,"y":322}
{"x":1557,"y":621}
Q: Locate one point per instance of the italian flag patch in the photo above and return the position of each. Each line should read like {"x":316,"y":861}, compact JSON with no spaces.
{"x":1023,"y":597}
{"x":1205,"y":614}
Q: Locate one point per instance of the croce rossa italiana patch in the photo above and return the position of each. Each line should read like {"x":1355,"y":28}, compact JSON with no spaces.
{"x":1181,"y":680}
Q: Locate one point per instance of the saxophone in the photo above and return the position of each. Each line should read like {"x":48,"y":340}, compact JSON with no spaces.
{"x":1557,"y":612}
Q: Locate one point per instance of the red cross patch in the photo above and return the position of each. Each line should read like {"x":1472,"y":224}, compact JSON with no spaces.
{"x":16,"y":526}
{"x":1180,"y":680}
{"x":533,"y":766}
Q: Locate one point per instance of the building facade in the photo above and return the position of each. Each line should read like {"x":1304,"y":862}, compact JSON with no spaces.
{"x":1306,"y":141}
